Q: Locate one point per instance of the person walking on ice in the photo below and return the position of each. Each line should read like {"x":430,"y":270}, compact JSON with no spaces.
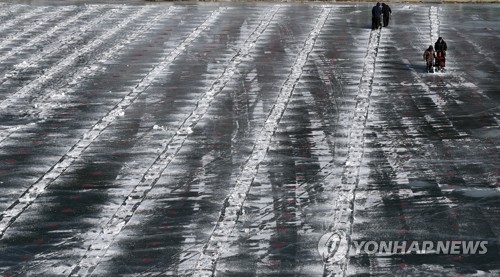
{"x":440,"y":47}
{"x":386,"y":11}
{"x":376,"y":16}
{"x":429,"y":58}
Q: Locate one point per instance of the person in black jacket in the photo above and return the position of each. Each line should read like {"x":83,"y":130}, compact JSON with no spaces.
{"x":376,"y":17}
{"x":386,"y":11}
{"x":440,"y":46}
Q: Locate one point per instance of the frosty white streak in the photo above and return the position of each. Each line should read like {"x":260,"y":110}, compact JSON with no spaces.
{"x":100,"y":244}
{"x":336,"y":262}
{"x":233,"y":203}
{"x":66,"y":38}
{"x":39,"y":24}
{"x":394,"y":162}
{"x":41,"y":37}
{"x":58,"y":45}
{"x":46,"y":105}
{"x":442,"y":120}
{"x":70,"y":60}
{"x":15,"y":209}
{"x":152,"y":21}
{"x":11,"y":24}
{"x":434,"y":19}
{"x":435,"y":33}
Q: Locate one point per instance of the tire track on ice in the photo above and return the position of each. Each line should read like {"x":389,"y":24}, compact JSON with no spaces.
{"x":98,"y":246}
{"x":32,"y":192}
{"x":233,"y":203}
{"x":71,"y":59}
{"x":336,"y":260}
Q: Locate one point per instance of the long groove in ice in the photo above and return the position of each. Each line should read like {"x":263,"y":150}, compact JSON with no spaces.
{"x":29,"y":195}
{"x":135,"y":198}
{"x":233,"y":203}
{"x":335,"y":263}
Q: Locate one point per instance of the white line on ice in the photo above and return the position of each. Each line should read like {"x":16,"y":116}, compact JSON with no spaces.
{"x":93,"y":69}
{"x":41,"y":37}
{"x":434,"y":19}
{"x":53,"y":14}
{"x":11,"y":24}
{"x":11,"y":10}
{"x":233,"y":203}
{"x":6,"y":132}
{"x":69,"y":60}
{"x":65,"y":39}
{"x":100,"y":243}
{"x":28,"y":196}
{"x":122,"y":216}
{"x":335,"y":263}
{"x":440,"y":103}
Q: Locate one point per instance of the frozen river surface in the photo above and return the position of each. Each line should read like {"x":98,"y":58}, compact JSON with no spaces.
{"x":246,"y":139}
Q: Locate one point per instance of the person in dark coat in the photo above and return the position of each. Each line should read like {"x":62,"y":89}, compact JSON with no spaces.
{"x":440,"y":46}
{"x":429,"y":59}
{"x":376,"y":16}
{"x":386,"y":11}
